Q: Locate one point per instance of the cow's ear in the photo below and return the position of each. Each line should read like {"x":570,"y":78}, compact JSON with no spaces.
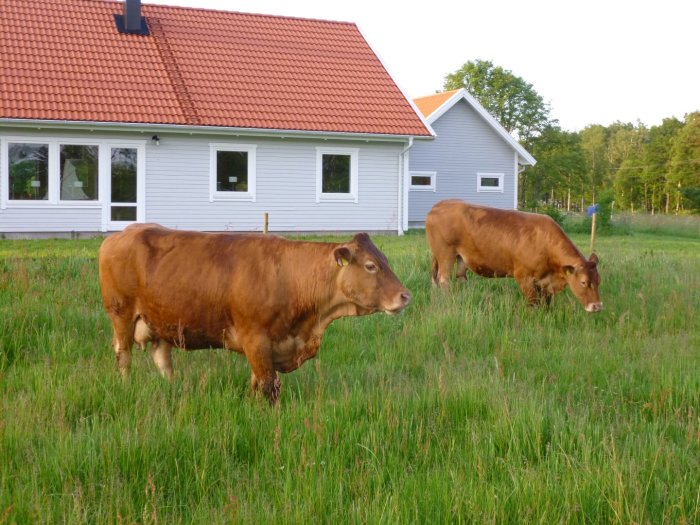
{"x":568,"y":269}
{"x":342,"y":256}
{"x":593,"y":259}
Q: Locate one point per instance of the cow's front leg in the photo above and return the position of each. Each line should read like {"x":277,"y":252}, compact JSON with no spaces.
{"x":263,"y":375}
{"x":527,"y":285}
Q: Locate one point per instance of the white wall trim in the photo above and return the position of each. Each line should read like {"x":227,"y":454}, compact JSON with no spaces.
{"x":250,"y":195}
{"x":353,"y":195}
{"x":490,"y":189}
{"x":433,"y":180}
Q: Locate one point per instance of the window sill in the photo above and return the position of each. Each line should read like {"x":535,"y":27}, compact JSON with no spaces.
{"x":242,"y":197}
{"x":51,"y":205}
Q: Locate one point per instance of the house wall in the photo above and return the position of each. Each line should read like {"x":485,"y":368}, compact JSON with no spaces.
{"x":465,"y":145}
{"x":177,"y":188}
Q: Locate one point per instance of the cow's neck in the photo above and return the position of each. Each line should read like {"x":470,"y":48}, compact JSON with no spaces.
{"x":565,"y":253}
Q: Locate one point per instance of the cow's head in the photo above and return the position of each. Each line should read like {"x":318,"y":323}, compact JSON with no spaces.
{"x":366,"y":279}
{"x":583,"y":279}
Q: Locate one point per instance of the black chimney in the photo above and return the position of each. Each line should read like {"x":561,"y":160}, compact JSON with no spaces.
{"x":132,"y":16}
{"x":131,"y":22}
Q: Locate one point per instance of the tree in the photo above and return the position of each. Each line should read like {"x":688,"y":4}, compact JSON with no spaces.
{"x":511,"y":100}
{"x":684,"y":176}
{"x":657,"y":165}
{"x":560,"y":168}
{"x":594,"y":141}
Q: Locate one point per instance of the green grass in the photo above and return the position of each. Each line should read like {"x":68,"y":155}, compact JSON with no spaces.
{"x":468,"y":408}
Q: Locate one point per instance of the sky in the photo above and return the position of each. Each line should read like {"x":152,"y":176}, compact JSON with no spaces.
{"x":594,"y":62}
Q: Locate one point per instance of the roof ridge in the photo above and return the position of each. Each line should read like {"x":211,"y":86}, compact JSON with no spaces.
{"x":188,"y":108}
{"x":227,"y":11}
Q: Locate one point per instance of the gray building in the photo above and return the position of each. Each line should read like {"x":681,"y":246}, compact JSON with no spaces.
{"x":472,"y":158}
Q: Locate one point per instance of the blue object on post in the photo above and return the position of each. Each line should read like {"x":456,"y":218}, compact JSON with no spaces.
{"x":593,"y":208}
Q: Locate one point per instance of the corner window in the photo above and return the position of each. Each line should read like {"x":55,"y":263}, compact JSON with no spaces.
{"x":232,"y":172}
{"x":78,"y":172}
{"x":28,"y":171}
{"x":336,"y":174}
{"x":486,"y":182}
{"x":423,"y":180}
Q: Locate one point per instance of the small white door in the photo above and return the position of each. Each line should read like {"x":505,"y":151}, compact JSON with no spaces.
{"x":126,"y":187}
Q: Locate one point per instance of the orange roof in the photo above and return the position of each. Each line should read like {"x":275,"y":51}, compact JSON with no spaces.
{"x":428,"y":104}
{"x":65,"y":60}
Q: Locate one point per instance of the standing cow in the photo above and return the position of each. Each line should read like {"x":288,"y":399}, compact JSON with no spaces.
{"x":266,"y":297}
{"x":504,"y":243}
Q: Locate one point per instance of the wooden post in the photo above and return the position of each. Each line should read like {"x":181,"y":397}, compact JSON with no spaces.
{"x":265,"y":222}
{"x":593,"y":231}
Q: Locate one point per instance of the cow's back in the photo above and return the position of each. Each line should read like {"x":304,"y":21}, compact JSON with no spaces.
{"x":491,"y":241}
{"x":173,"y":279}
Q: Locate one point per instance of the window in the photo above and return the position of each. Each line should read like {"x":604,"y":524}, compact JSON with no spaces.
{"x":28,"y":167}
{"x":78,"y":172}
{"x":489,"y":182}
{"x":232,"y":172}
{"x":423,"y":180}
{"x":336,"y":174}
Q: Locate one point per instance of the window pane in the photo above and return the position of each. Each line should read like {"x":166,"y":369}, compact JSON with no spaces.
{"x":421,"y":180}
{"x":490,"y":182}
{"x":232,"y":171}
{"x":79,"y":173}
{"x":336,"y":174}
{"x":29,"y":171}
{"x":124,"y":175}
{"x":123,"y":213}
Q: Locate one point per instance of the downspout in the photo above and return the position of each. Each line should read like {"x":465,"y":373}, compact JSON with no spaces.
{"x":402,"y":225}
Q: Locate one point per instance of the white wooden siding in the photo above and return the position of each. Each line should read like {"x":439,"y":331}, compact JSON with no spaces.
{"x":465,"y":145}
{"x":178,"y":188}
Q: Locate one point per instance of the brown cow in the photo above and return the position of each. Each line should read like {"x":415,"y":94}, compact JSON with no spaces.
{"x":266,"y":297}
{"x":504,"y":243}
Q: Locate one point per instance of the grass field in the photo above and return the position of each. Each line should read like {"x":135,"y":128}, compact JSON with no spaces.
{"x":468,"y":408}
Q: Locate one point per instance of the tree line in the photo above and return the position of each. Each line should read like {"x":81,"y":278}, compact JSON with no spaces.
{"x":634,"y":167}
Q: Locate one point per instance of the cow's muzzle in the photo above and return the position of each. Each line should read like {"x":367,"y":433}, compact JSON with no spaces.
{"x":594,"y":307}
{"x":402,"y":300}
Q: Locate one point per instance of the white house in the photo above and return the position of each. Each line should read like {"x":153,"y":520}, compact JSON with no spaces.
{"x":473,"y":157}
{"x":113,"y":112}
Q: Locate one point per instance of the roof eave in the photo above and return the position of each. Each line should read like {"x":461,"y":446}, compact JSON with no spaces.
{"x":202,"y":130}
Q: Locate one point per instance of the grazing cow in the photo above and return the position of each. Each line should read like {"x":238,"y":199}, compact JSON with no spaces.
{"x":266,"y":297}
{"x":504,"y":243}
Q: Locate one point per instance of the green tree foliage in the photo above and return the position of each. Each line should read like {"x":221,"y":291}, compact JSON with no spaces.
{"x":559,"y":171}
{"x":510,"y":99}
{"x":684,"y":176}
{"x":657,"y":165}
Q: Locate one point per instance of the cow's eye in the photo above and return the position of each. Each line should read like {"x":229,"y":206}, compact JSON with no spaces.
{"x":584,"y":284}
{"x":370,"y":267}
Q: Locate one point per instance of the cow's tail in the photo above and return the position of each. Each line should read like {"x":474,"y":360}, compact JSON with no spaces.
{"x":434,"y":271}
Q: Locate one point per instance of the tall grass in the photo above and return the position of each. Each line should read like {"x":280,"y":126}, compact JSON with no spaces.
{"x":470,"y":407}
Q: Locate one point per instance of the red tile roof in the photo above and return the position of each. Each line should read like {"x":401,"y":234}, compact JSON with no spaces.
{"x":427,"y":105}
{"x":65,"y":60}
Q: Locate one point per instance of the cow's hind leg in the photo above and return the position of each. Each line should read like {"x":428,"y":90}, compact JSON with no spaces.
{"x":122,"y":341}
{"x":161,"y":352}
{"x":461,"y":268}
{"x":445,"y":259}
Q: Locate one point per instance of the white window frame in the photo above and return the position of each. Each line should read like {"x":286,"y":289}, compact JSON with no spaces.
{"x":353,"y":195}
{"x":57,"y":158}
{"x":54,"y":172}
{"x":489,"y":189}
{"x":250,"y":195}
{"x":431,"y":187}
